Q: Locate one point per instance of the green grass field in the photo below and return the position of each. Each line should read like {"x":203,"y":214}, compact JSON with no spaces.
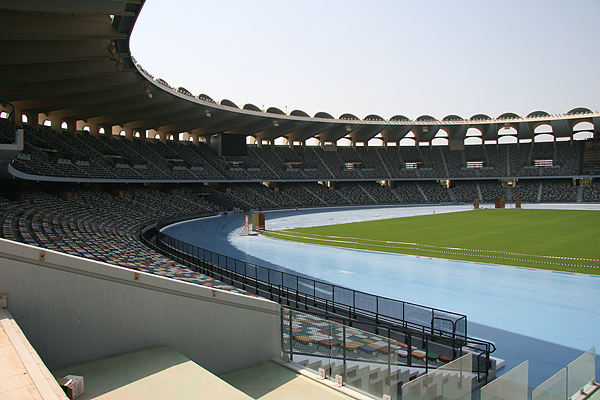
{"x":550,"y":239}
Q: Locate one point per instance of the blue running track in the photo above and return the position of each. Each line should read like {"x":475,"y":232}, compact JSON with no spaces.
{"x":549,"y":318}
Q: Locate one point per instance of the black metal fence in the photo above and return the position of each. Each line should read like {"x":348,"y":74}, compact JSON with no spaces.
{"x":416,"y":325}
{"x":336,"y":341}
{"x":323,"y":295}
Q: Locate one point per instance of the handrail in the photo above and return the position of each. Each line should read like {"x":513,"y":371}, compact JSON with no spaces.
{"x":358,"y":302}
{"x":457,"y":347}
{"x":332,"y":296}
{"x":264,"y":282}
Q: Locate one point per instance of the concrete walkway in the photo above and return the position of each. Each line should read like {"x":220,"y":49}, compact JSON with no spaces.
{"x":152,"y":374}
{"x":23,"y":375}
{"x":271,"y":381}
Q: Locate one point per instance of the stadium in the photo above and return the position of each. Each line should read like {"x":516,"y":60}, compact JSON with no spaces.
{"x":108,"y":174}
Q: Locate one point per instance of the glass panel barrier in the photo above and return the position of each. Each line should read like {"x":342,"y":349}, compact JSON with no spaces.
{"x":554,"y":388}
{"x":363,"y":360}
{"x":513,"y":385}
{"x":371,"y":363}
{"x":581,"y":371}
{"x":449,"y":382}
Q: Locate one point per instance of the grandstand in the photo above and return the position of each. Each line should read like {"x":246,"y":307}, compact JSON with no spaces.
{"x":94,"y":150}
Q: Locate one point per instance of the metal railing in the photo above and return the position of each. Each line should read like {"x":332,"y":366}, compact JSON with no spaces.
{"x":310,"y":293}
{"x":333,"y":343}
{"x":413,"y":324}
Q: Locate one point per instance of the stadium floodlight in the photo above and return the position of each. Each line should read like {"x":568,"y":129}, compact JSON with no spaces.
{"x":112,"y":49}
{"x":147,"y":91}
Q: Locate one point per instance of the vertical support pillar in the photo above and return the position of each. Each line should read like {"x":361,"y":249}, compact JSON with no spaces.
{"x":162,"y":136}
{"x":55,"y":122}
{"x":128,"y":133}
{"x":93,"y":129}
{"x":19,"y":117}
{"x":41,"y":118}
{"x":108,"y":131}
{"x":71,"y":126}
{"x":32,"y":119}
{"x":195,"y":134}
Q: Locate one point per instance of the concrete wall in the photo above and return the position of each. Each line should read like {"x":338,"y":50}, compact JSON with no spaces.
{"x":74,"y":310}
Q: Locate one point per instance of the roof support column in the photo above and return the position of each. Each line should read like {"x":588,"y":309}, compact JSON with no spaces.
{"x":93,"y":129}
{"x":195,"y":134}
{"x":128,"y":133}
{"x":32,"y":119}
{"x":162,"y":136}
{"x":108,"y":131}
{"x":55,"y":121}
{"x":151,"y":133}
{"x":71,"y":126}
{"x":116,"y":130}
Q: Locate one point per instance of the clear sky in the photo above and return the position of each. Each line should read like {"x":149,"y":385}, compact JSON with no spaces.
{"x":378,"y":57}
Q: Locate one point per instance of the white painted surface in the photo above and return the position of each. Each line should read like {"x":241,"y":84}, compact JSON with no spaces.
{"x":74,"y":310}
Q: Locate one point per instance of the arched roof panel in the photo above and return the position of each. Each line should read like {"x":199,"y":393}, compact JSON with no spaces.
{"x":228,"y":103}
{"x":162,"y":82}
{"x":579,"y":110}
{"x":183,"y":90}
{"x":275,"y":110}
{"x":453,"y":117}
{"x":299,"y":113}
{"x":323,"y":114}
{"x":251,"y":107}
{"x":538,"y":114}
{"x":509,"y":115}
{"x":206,"y":97}
{"x":426,"y":118}
{"x":479,"y":116}
{"x":373,"y":117}
{"x":349,"y":116}
{"x":399,"y":118}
